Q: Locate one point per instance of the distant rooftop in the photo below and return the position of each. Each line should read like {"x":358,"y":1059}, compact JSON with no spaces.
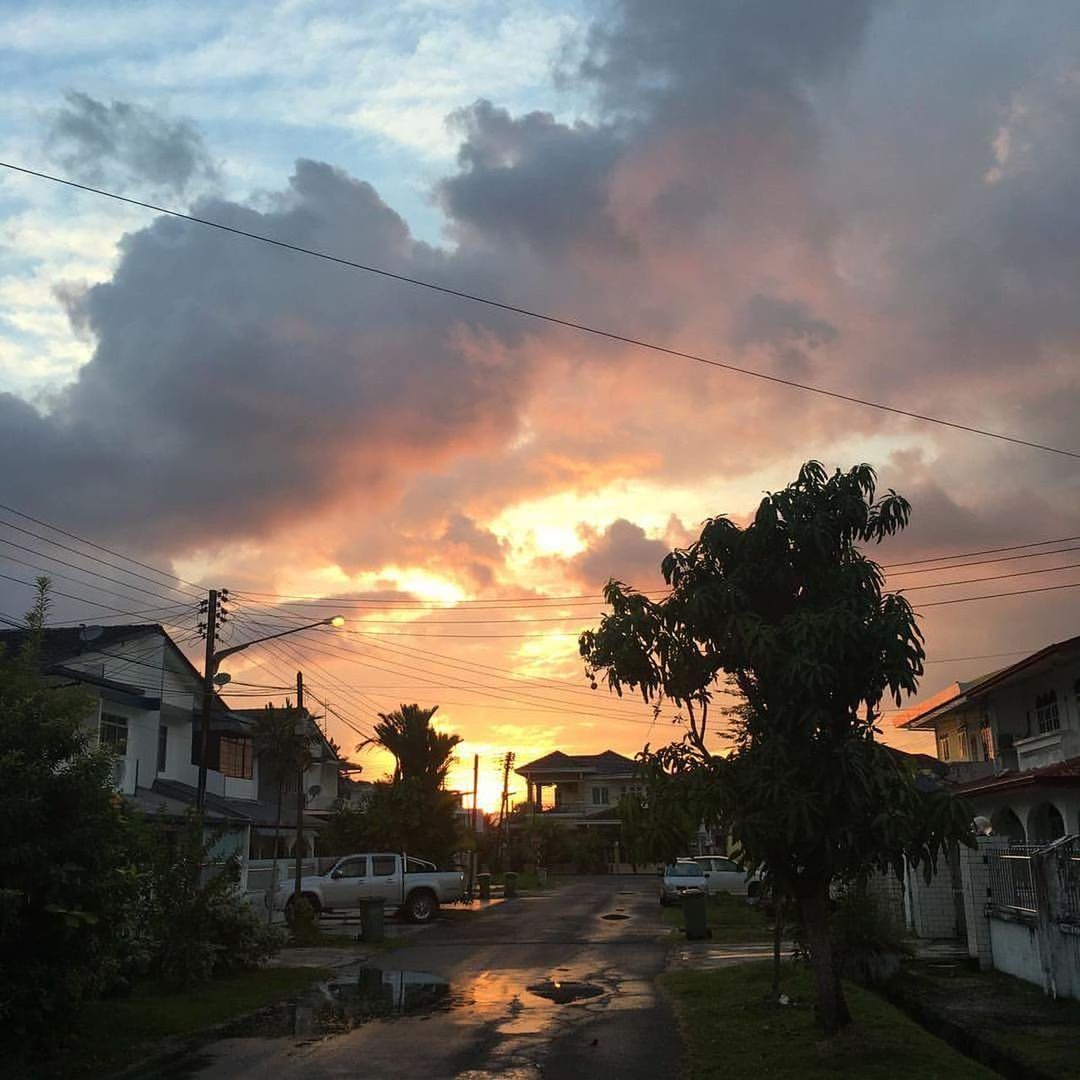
{"x":609,"y":763}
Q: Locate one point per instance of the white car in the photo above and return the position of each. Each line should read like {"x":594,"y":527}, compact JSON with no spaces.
{"x":725,"y":875}
{"x":406,"y":884}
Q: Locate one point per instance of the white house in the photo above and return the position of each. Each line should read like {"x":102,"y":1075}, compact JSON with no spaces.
{"x":1011,"y":741}
{"x":146,"y":701}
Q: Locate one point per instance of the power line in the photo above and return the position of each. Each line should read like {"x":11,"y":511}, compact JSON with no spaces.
{"x":555,"y":320}
{"x":80,"y":599}
{"x":984,"y":656}
{"x":99,"y":547}
{"x":398,"y":667}
{"x":995,"y":596}
{"x":86,"y":570}
{"x":601,"y":711}
{"x":984,"y":562}
{"x":991,"y":577}
{"x":985,"y":551}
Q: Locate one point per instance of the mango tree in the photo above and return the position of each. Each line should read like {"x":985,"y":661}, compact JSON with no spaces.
{"x":791,"y":614}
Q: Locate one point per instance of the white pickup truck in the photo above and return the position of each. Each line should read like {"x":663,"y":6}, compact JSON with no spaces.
{"x":406,"y":884}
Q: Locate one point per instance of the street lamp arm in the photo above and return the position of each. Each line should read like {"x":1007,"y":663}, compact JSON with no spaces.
{"x":222,"y":653}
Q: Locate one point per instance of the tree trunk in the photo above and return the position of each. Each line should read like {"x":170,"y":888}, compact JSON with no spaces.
{"x":778,"y":931}
{"x":274,"y":878}
{"x":831,"y":1008}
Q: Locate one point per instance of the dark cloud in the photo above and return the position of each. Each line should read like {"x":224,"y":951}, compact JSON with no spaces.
{"x":123,"y":144}
{"x":531,"y":179}
{"x":771,"y":184}
{"x":624,"y":552}
{"x":232,"y":390}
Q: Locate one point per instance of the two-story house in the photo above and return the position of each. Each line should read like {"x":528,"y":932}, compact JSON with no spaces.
{"x":1011,"y":740}
{"x":585,"y":788}
{"x":145,"y":708}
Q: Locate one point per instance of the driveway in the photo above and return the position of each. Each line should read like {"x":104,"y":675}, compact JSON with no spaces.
{"x":543,"y":986}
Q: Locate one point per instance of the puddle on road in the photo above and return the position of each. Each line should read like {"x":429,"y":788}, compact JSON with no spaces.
{"x":564,"y":993}
{"x":614,"y":917}
{"x":340,"y":1004}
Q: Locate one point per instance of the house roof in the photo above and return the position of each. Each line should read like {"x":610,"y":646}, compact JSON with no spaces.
{"x":1060,"y":774}
{"x":959,"y":694}
{"x":609,"y":763}
{"x":59,"y":643}
{"x":63,"y":643}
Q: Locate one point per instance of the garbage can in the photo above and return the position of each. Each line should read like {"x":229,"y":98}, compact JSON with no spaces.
{"x":372,"y":922}
{"x":509,"y":885}
{"x":483,"y":882}
{"x":695,"y":915}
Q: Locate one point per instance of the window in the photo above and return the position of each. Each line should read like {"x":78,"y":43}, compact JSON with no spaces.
{"x":943,"y":747}
{"x":1046,"y":712}
{"x":113,"y":733}
{"x":162,"y":747}
{"x":600,"y":796}
{"x":383,"y":865}
{"x":236,"y":756}
{"x":686,"y":869}
{"x":986,"y":739}
{"x":352,"y":868}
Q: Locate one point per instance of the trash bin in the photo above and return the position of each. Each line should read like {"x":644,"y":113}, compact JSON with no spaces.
{"x":695,"y":915}
{"x":509,"y":885}
{"x":372,"y":922}
{"x":483,"y":882}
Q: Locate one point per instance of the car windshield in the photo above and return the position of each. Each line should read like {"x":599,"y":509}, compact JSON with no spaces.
{"x":685,"y":870}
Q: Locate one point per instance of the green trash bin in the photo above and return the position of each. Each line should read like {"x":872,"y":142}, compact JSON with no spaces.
{"x":483,"y":882}
{"x":372,"y":920}
{"x":509,"y":885}
{"x":695,"y":915}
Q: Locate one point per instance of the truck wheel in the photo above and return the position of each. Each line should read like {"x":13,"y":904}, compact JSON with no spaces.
{"x":290,"y":907}
{"x":421,"y":906}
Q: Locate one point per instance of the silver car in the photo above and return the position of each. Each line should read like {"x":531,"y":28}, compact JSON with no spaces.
{"x":679,"y":878}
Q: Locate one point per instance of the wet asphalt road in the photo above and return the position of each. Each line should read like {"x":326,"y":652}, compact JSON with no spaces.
{"x":477,"y":1000}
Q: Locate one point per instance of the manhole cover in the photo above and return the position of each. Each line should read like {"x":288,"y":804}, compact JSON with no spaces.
{"x":563,"y":993}
{"x":614,"y":916}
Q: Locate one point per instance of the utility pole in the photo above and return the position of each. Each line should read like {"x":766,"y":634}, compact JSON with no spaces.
{"x":473,"y":854}
{"x":209,"y":666}
{"x":504,"y":804}
{"x":299,"y":788}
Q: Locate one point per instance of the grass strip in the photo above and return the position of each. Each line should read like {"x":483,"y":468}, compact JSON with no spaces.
{"x":731,"y":919}
{"x":118,"y":1031}
{"x":731,"y":1032}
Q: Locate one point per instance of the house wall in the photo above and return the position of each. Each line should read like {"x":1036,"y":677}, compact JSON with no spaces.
{"x":932,"y":905}
{"x":1015,"y":947}
{"x":576,"y":796}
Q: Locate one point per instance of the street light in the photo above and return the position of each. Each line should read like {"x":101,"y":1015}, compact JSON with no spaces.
{"x":213,"y":661}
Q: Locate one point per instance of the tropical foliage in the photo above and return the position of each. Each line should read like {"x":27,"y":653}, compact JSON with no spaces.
{"x":791,"y":611}
{"x":421,"y":753}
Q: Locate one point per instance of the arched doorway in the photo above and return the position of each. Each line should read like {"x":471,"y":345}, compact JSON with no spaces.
{"x":1005,"y":823}
{"x":1045,"y":824}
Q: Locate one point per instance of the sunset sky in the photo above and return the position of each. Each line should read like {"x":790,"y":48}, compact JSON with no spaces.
{"x":877,"y":198}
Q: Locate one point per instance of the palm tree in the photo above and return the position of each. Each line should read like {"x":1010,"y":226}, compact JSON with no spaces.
{"x":420,"y":752}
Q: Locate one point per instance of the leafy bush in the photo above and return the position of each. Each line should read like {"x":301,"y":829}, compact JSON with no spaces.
{"x":68,"y":878}
{"x":197,"y":924}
